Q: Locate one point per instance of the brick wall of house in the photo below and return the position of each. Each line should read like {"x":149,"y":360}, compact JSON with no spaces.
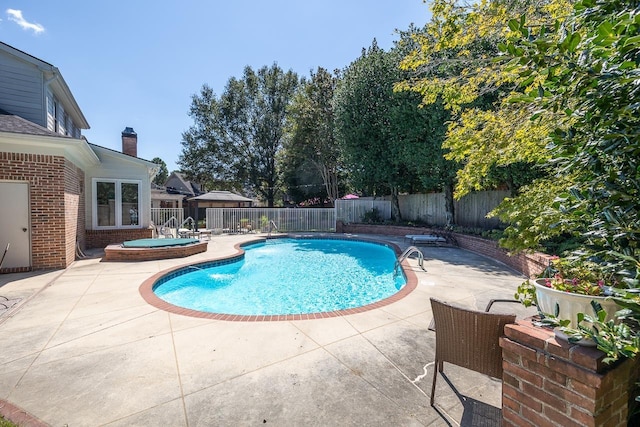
{"x":47,"y":204}
{"x":74,"y":209}
{"x":103,"y":238}
{"x":547,"y":382}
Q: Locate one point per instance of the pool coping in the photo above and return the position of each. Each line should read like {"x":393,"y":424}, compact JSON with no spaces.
{"x":146,"y":288}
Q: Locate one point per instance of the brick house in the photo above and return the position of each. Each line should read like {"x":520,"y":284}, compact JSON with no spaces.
{"x":58,"y":192}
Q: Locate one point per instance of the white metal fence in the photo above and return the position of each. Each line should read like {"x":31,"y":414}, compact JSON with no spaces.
{"x":355,"y":209}
{"x":240,"y":220}
{"x":161,"y":216}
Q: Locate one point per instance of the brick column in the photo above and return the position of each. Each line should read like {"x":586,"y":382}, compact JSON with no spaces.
{"x":548,"y":382}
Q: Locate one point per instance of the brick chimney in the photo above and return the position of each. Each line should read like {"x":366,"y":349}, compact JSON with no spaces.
{"x":130,"y":142}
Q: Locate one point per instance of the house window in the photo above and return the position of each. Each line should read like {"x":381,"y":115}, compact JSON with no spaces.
{"x":116,"y":203}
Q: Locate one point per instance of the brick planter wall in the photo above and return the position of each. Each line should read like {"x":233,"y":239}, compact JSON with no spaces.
{"x":103,"y":238}
{"x":547,"y":382}
{"x":529,"y":264}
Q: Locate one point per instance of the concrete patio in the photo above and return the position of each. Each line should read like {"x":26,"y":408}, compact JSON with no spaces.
{"x":80,"y":347}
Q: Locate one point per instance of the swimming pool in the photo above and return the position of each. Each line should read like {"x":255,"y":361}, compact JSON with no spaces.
{"x":285,"y":278}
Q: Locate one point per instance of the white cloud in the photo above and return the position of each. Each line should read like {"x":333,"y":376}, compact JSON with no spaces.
{"x":16,"y":16}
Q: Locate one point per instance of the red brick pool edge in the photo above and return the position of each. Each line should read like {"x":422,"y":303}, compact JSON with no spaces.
{"x":146,"y":291}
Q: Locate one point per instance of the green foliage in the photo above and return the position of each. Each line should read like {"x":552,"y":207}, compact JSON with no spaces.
{"x":613,"y":337}
{"x":616,"y":339}
{"x":454,"y":59}
{"x":236,"y":137}
{"x":526,"y":294}
{"x":311,"y":163}
{"x":388,"y":143}
{"x":532,"y":220}
{"x":372,"y":216}
{"x":163,"y":172}
{"x":585,"y":73}
{"x":6,"y":423}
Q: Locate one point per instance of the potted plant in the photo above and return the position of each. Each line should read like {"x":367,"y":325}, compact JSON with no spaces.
{"x":568,"y":287}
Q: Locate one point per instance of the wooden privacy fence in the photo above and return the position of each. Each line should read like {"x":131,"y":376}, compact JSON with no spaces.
{"x":470,"y":211}
{"x":354,"y":210}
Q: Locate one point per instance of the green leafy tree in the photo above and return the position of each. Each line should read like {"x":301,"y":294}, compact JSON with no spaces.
{"x":311,"y":162}
{"x":163,"y":172}
{"x":586,"y":72}
{"x":389,"y":144}
{"x":236,"y":137}
{"x":453,"y":60}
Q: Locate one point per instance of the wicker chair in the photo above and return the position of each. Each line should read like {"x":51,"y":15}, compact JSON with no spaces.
{"x":468,"y":338}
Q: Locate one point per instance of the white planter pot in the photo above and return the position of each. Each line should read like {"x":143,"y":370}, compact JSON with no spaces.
{"x":569,"y":304}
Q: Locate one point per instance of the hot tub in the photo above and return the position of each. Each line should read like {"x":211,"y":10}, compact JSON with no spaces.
{"x":153,"y":249}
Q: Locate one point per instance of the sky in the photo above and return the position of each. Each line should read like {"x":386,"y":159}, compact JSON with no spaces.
{"x":138,"y":63}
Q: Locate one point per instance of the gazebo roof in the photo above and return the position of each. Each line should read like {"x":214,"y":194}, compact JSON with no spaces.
{"x":220,"y":196}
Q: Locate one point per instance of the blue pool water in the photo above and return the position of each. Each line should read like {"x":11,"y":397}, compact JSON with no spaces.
{"x":289,"y":276}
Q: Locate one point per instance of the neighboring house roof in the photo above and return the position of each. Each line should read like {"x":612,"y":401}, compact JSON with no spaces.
{"x":220,"y":196}
{"x":16,"y":124}
{"x":178,"y":183}
{"x":56,"y":83}
{"x":155,"y":195}
{"x":158,"y":192}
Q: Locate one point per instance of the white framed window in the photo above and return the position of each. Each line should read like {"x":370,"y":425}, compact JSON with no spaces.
{"x":116,"y":203}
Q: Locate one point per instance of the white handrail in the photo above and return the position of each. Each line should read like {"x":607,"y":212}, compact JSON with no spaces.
{"x":173,"y":218}
{"x":406,"y":254}
{"x":187,"y":220}
{"x":272,"y":225}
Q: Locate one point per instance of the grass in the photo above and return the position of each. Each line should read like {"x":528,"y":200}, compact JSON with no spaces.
{"x":6,"y":423}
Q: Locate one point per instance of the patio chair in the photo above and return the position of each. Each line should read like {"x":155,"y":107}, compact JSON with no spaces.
{"x":468,"y":338}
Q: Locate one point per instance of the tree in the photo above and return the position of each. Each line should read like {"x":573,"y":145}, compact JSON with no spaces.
{"x":163,"y":172}
{"x":454,"y":60}
{"x":312,"y":154}
{"x":586,"y":72}
{"x":363,"y":99}
{"x":235,"y":138}
{"x":389,"y":144}
{"x":572,"y":71}
{"x":457,"y":59}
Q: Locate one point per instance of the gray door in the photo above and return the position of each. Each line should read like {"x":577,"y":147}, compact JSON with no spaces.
{"x":14,"y":224}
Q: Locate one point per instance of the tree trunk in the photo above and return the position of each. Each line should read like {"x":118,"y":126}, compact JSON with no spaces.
{"x":395,"y":204}
{"x":270,"y":196}
{"x":448,"y":205}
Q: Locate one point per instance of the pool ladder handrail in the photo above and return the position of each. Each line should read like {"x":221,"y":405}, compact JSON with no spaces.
{"x":190,"y":221}
{"x":165,"y":229}
{"x":272,"y":225}
{"x":406,"y":254}
{"x":173,"y":220}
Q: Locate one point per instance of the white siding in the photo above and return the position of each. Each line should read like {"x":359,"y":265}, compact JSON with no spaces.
{"x":51,"y":109}
{"x":113,"y":166}
{"x":60,"y":119}
{"x":21,"y":89}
